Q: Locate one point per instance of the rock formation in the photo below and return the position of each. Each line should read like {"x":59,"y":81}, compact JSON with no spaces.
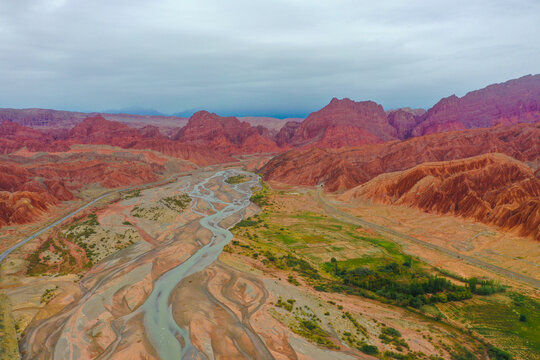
{"x":344,"y":168}
{"x":225,"y":134}
{"x":344,"y":122}
{"x":512,"y":102}
{"x":490,"y":188}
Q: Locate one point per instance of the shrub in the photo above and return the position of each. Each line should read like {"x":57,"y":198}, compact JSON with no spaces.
{"x":498,"y":354}
{"x":369,"y":349}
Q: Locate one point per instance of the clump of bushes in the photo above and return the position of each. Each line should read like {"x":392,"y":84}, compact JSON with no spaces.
{"x":399,"y":283}
{"x":237,"y":179}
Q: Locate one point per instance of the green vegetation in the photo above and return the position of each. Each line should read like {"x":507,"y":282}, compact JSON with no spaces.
{"x":9,"y":349}
{"x":497,"y":318}
{"x":403,"y":284}
{"x":40,"y":262}
{"x":177,"y":202}
{"x":131,"y":194}
{"x":334,"y":256}
{"x":247,"y":223}
{"x":392,"y":336}
{"x":287,"y":305}
{"x":369,"y":349}
{"x":77,"y":247}
{"x":498,"y":354}
{"x":306,"y":323}
{"x":48,"y":295}
{"x":261,"y":197}
{"x":237,"y":179}
{"x":150,"y":213}
{"x":359,"y":328}
{"x":312,"y":331}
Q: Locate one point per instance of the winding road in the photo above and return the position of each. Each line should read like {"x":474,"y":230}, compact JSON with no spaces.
{"x":383,"y":230}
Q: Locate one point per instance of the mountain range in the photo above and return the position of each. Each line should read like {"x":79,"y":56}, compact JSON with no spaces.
{"x":345,"y":145}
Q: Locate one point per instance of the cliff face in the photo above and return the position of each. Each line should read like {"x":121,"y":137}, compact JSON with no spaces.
{"x":286,"y":133}
{"x":509,"y":103}
{"x":344,"y":168}
{"x":404,"y":122}
{"x":493,"y":189}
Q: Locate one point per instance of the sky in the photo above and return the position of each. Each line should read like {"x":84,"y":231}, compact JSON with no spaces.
{"x":244,"y":57}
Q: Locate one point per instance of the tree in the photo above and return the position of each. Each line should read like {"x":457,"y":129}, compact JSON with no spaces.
{"x":472,"y":284}
{"x":334,"y":261}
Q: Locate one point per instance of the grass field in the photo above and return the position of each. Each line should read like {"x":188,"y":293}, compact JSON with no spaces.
{"x":497,"y":318}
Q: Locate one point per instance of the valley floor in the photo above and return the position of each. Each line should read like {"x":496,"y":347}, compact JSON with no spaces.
{"x":144,"y":277}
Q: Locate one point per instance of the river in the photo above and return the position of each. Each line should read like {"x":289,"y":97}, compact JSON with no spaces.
{"x":161,"y":328}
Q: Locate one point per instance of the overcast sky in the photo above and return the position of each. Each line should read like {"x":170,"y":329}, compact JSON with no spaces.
{"x":275,"y":57}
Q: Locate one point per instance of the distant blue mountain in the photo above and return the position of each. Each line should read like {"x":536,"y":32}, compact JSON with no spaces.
{"x":185,"y":113}
{"x":135,"y":110}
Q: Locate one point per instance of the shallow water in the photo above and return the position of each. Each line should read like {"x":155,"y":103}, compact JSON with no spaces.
{"x":161,"y":328}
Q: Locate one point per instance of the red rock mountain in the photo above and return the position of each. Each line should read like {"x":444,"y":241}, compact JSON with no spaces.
{"x":492,"y":188}
{"x":226,"y":134}
{"x":286,"y":133}
{"x":42,"y":118}
{"x":344,"y":123}
{"x":14,"y":137}
{"x":30,"y":187}
{"x":512,"y":102}
{"x":47,"y":119}
{"x":346,"y":167}
{"x":404,"y":122}
{"x":97,"y":130}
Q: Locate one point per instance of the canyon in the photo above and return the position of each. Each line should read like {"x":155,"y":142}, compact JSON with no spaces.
{"x":355,"y":233}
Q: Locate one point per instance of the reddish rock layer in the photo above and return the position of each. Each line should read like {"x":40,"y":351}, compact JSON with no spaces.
{"x":57,"y":119}
{"x":28,"y":190}
{"x":403,"y":121}
{"x":512,"y":102}
{"x":226,"y":134}
{"x":99,"y":131}
{"x":23,"y":206}
{"x":344,"y":122}
{"x":492,"y":188}
{"x":347,"y":167}
{"x":14,"y":136}
{"x":286,"y":133}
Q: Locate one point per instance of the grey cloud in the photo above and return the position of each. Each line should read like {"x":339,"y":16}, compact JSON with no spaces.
{"x":274,"y":57}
